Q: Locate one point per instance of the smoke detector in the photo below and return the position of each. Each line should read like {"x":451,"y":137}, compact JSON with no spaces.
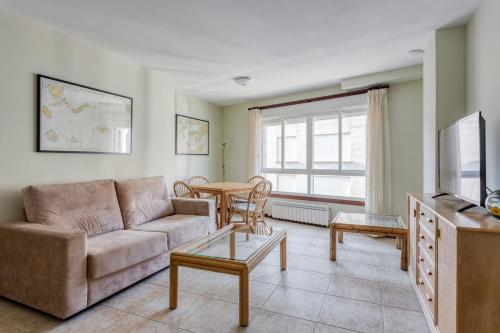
{"x":242,"y":80}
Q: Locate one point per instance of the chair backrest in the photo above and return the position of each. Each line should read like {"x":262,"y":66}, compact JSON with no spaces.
{"x":198,"y":180}
{"x":260,"y":193}
{"x":255,"y":180}
{"x":183,"y":190}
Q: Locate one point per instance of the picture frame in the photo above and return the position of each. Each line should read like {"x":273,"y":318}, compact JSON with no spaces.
{"x":74,"y":118}
{"x":192,"y":136}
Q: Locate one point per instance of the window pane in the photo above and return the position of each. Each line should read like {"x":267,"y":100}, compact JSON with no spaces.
{"x":354,"y":142}
{"x":326,"y":142}
{"x":288,"y":182}
{"x":342,"y":186}
{"x":295,"y":144}
{"x":272,"y":145}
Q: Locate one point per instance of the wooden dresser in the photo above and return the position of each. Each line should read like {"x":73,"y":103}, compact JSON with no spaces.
{"x":454,"y":264}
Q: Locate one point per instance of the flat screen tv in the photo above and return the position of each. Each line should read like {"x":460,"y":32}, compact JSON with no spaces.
{"x":461,"y":163}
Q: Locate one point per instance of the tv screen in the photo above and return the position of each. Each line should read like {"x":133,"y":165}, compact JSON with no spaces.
{"x":462,"y":167}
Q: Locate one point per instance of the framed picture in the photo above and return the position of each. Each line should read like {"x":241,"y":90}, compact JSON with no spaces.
{"x":77,"y":119}
{"x":191,"y":136}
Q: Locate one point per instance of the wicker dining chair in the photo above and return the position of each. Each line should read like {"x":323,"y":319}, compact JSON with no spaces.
{"x":200,"y":180}
{"x":252,"y":181}
{"x":251,"y":210}
{"x":183,"y":190}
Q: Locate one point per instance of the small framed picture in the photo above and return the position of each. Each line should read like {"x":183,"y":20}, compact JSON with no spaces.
{"x":191,"y":136}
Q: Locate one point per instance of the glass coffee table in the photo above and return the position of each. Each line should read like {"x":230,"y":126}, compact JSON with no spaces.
{"x":235,"y":249}
{"x":385,"y":225}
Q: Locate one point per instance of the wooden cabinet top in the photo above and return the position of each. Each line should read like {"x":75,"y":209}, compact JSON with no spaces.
{"x":475,"y":219}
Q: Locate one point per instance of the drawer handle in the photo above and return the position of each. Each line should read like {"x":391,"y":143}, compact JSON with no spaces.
{"x":429,"y":299}
{"x":428,"y":272}
{"x":421,"y":282}
{"x":421,"y":259}
{"x":430,"y":247}
{"x":422,"y":237}
{"x":429,"y":220}
{"x":422,"y":214}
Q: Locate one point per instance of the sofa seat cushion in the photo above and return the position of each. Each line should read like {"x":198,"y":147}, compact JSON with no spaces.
{"x":179,"y":228}
{"x":143,"y":200}
{"x":88,"y":206}
{"x":114,"y":251}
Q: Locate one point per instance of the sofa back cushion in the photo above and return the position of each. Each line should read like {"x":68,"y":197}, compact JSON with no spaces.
{"x":89,"y":206}
{"x":143,"y":200}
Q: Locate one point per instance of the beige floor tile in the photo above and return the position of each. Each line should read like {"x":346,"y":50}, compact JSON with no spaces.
{"x":363,"y":257}
{"x":322,"y":328}
{"x":351,"y":314}
{"x":394,"y":275}
{"x":400,"y":296}
{"x":151,"y":301}
{"x":135,"y":324}
{"x":315,"y":264}
{"x":215,"y":317}
{"x":314,"y":250}
{"x":267,"y":274}
{"x":358,"y":270}
{"x":24,"y":318}
{"x":259,"y":293}
{"x":8,"y":329}
{"x":306,"y":280}
{"x":292,"y":247}
{"x":362,"y":290}
{"x":404,"y":321}
{"x":390,"y":259}
{"x":265,"y":322}
{"x":294,"y":302}
{"x":96,"y":319}
{"x":273,"y":258}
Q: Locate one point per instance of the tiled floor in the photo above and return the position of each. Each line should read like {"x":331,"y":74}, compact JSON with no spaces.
{"x":364,"y":291}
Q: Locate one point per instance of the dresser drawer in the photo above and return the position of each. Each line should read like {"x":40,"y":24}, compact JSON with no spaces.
{"x":427,"y":244}
{"x":426,"y":268}
{"x":427,"y":294}
{"x":428,"y":219}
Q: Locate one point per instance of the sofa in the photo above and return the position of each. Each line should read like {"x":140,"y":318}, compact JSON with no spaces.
{"x":83,"y":242}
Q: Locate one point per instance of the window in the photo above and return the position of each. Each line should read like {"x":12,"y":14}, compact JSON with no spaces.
{"x":322,"y":154}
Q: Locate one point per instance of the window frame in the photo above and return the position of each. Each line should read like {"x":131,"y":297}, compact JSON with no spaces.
{"x":309,"y":171}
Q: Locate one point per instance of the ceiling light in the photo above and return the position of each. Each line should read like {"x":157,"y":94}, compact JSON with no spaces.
{"x":242,"y":80}
{"x":416,"y":52}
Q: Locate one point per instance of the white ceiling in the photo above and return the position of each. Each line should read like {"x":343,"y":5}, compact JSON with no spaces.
{"x":284,"y":45}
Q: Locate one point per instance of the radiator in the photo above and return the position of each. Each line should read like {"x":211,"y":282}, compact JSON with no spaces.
{"x":301,"y":212}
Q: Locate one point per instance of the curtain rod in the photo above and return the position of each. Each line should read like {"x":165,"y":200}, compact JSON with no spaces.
{"x":322,"y":98}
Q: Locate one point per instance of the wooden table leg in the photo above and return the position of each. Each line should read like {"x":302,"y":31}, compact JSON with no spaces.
{"x":223,"y":210}
{"x":333,"y":243}
{"x":173,"y":285}
{"x":244,"y":301}
{"x":232,"y":245}
{"x":404,"y":253}
{"x":283,"y":254}
{"x":341,"y":237}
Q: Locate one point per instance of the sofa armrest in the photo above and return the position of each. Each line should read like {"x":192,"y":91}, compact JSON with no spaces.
{"x":44,"y":267}
{"x":201,"y":207}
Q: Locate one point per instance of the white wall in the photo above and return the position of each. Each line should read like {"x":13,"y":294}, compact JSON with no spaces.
{"x":444,"y":92}
{"x":483,"y":80}
{"x":405,"y":116}
{"x":429,"y":117}
{"x":27,"y":48}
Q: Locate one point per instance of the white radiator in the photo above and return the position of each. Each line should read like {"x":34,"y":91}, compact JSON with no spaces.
{"x":301,"y":212}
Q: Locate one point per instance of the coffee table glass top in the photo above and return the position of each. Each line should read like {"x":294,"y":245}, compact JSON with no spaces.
{"x":370,"y":220}
{"x":239,"y":243}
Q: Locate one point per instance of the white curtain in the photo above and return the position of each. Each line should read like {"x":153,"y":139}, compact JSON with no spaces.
{"x":378,"y":157}
{"x":254,"y":143}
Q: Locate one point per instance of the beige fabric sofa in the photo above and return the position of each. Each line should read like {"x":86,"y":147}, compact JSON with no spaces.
{"x":85,"y":241}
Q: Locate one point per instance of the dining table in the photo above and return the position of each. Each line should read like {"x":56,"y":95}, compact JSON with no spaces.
{"x":223,"y":190}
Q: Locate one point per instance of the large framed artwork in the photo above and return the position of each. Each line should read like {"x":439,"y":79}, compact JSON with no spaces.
{"x":191,"y":136}
{"x":73,"y":118}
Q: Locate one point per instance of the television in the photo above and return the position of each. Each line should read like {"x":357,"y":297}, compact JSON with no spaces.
{"x":461,"y":162}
